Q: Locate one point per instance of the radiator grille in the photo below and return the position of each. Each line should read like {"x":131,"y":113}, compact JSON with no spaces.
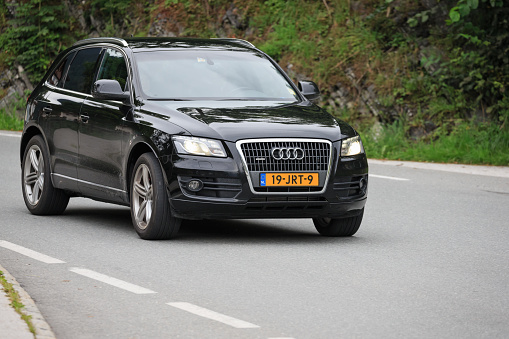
{"x":258,"y":156}
{"x":314,"y":154}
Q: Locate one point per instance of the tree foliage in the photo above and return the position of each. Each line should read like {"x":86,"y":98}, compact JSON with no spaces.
{"x":35,"y":35}
{"x":480,"y":63}
{"x":447,"y":64}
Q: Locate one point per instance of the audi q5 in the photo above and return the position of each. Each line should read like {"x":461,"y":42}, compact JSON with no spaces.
{"x":188,"y":129}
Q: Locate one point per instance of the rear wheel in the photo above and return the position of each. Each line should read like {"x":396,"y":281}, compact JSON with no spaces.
{"x":41,"y":198}
{"x":344,"y":227}
{"x":150,"y":208}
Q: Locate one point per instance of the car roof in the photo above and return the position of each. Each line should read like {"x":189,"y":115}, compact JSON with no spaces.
{"x":146,"y":44}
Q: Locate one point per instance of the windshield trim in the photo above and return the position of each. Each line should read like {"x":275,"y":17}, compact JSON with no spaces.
{"x":223,"y":99}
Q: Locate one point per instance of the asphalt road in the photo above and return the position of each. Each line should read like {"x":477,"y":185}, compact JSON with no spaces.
{"x":430,"y":260}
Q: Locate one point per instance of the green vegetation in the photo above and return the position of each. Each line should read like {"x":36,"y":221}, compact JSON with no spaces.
{"x":16,"y":302}
{"x":437,"y":72}
{"x":467,"y":144}
{"x":9,"y":120}
{"x":34,"y":36}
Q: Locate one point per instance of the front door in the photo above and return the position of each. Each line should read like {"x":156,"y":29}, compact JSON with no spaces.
{"x":100,"y":167}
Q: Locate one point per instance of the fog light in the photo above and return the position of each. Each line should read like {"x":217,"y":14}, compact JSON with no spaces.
{"x":194,"y":185}
{"x":362,"y":184}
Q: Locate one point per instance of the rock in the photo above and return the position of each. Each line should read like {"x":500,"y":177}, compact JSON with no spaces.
{"x":421,"y":131}
{"x":13,"y":84}
{"x":24,"y":78}
{"x":96,"y":24}
{"x":376,"y":130}
{"x":165,"y":27}
{"x":76,"y":11}
{"x":11,"y":7}
{"x":234,"y":17}
{"x":295,"y":75}
{"x":416,"y":132}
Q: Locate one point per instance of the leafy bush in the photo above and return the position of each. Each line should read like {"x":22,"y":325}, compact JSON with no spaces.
{"x":35,"y":35}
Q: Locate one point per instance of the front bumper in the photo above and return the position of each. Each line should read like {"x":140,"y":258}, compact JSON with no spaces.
{"x":226,"y":193}
{"x":188,"y":209}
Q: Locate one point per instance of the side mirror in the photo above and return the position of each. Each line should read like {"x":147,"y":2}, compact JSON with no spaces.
{"x":310,"y":90}
{"x":109,"y":90}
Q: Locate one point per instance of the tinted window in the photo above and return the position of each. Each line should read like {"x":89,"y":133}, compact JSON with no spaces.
{"x":113,"y":67}
{"x":80,"y":75}
{"x":57,"y":78}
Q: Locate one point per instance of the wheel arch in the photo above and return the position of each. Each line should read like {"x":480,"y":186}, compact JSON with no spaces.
{"x":135,"y":152}
{"x":29,"y":133}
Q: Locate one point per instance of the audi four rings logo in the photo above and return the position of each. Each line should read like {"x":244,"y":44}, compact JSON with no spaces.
{"x":287,"y":153}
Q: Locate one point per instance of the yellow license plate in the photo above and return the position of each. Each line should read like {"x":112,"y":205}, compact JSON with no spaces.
{"x":289,"y":179}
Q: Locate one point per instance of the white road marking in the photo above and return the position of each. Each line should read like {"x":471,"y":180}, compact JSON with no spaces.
{"x":13,"y":134}
{"x":30,"y":253}
{"x":203,"y":312}
{"x":386,"y":177}
{"x":492,"y":171}
{"x":111,"y":281}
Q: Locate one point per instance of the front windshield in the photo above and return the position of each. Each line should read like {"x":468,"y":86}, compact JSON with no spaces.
{"x":211,"y":75}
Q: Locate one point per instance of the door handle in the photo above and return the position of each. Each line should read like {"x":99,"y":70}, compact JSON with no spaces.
{"x":46,"y":110}
{"x":84,"y":118}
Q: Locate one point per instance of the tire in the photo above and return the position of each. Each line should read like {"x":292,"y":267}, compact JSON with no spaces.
{"x":41,"y":198}
{"x":344,"y":227}
{"x":150,"y":208}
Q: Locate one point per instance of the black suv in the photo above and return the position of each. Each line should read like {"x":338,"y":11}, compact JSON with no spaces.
{"x":188,"y":129}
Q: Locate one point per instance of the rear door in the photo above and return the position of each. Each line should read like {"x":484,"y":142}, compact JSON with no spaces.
{"x":67,"y":88}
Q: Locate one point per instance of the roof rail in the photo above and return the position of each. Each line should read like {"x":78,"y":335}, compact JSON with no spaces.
{"x":116,"y":41}
{"x":241,"y":41}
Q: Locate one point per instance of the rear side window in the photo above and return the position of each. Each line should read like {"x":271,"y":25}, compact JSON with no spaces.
{"x":57,"y":78}
{"x":113,"y":67}
{"x":81,"y":73}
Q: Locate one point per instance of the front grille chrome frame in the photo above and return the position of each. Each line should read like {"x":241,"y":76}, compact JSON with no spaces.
{"x":275,"y":140}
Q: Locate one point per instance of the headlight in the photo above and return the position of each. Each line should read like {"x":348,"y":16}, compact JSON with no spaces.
{"x":351,"y":146}
{"x":198,"y":146}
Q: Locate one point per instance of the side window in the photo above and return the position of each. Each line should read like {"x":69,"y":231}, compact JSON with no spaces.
{"x":57,"y":78}
{"x":113,"y":67}
{"x":81,"y":73}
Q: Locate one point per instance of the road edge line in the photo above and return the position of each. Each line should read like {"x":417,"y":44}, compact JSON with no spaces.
{"x":15,"y":134}
{"x":484,"y":170}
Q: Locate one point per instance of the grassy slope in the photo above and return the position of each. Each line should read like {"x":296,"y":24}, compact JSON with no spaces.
{"x":359,"y":38}
{"x":408,"y":78}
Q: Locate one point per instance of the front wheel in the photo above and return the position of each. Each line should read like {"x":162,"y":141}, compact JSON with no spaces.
{"x":150,"y":208}
{"x":344,"y":227}
{"x":41,"y":198}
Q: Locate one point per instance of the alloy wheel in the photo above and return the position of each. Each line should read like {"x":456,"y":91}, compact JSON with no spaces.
{"x":33,"y":174}
{"x":142,"y":196}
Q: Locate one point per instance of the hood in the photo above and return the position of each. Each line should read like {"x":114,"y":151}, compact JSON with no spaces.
{"x":237,"y":120}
